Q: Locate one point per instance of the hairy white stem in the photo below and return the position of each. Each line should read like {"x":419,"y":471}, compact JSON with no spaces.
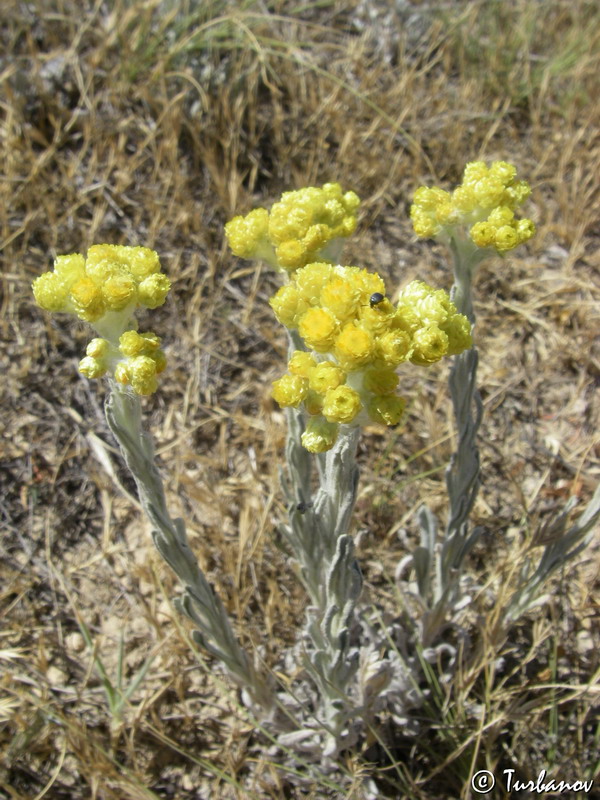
{"x":198,"y":602}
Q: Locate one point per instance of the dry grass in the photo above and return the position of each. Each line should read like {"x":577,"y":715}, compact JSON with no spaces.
{"x":152,"y":123}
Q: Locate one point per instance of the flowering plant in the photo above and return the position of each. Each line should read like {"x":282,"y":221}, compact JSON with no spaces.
{"x":348,"y":336}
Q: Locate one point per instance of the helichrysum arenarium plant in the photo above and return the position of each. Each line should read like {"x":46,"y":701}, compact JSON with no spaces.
{"x":105,"y":289}
{"x":349,"y":344}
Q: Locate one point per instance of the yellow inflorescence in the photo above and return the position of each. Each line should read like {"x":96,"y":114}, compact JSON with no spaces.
{"x":357,"y":338}
{"x":298,"y":229}
{"x":485,"y":202}
{"x":137,"y":360}
{"x":111,"y":278}
{"x":104,"y":289}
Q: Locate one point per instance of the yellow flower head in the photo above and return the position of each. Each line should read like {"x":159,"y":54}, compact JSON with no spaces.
{"x":113,"y":278}
{"x":288,"y":305}
{"x":355,"y":338}
{"x":484,"y":202}
{"x":311,"y":279}
{"x":325,"y":376}
{"x":104,"y":289}
{"x":137,"y":360}
{"x":319,"y":435}
{"x":290,"y":390}
{"x":248,"y":235}
{"x":301,"y":363}
{"x":393,"y":347}
{"x":141,"y":372}
{"x":341,"y":405}
{"x":354,"y":346}
{"x":430,"y":344}
{"x":299,"y":229}
{"x":318,"y":328}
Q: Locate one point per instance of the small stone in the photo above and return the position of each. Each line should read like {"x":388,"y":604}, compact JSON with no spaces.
{"x":75,"y":642}
{"x":187,"y":784}
{"x":585,"y":642}
{"x":164,"y":612}
{"x":56,"y":676}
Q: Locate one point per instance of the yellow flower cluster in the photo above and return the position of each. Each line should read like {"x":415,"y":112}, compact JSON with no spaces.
{"x":298,"y":229}
{"x":104,"y":289}
{"x":143,"y":361}
{"x":485,"y":201}
{"x":111,"y":278}
{"x":355,"y":339}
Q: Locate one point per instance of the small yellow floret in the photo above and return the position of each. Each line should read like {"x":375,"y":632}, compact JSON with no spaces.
{"x":87,"y":300}
{"x":354,"y":346}
{"x":502,"y":170}
{"x":326,"y":376}
{"x":301,"y":362}
{"x":525,"y":229}
{"x":69,"y":268}
{"x":119,"y":291}
{"x":458,"y":331}
{"x":151,"y":342}
{"x":319,"y":435}
{"x":50,"y":294}
{"x":474,"y":171}
{"x":98,"y":348}
{"x":430,"y":209}
{"x":340,"y":297}
{"x":483,"y":234}
{"x":289,"y":390}
{"x":430,"y":344}
{"x":131,"y":344}
{"x":518,"y":193}
{"x":318,"y":328}
{"x":387,"y":409}
{"x":92,"y":367}
{"x":394,"y":347}
{"x":141,"y":261}
{"x":377,"y":319}
{"x":506,"y":238}
{"x":153,"y":290}
{"x":288,"y":306}
{"x":311,"y":280}
{"x":291,"y":254}
{"x":420,"y":304}
{"x":341,"y":405}
{"x":502,"y":215}
{"x":247,"y":235}
{"x":142,"y":375}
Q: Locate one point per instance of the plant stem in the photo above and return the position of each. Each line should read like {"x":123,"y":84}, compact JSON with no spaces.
{"x":198,"y":602}
{"x":463,"y":472}
{"x":318,"y":536}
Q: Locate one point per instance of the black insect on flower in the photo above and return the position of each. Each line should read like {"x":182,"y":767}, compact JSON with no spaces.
{"x":375,"y":299}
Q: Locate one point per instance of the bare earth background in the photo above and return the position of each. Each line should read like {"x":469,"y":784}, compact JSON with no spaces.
{"x":153,"y":123}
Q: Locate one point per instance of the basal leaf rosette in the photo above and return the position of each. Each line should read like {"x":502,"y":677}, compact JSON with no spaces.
{"x":105,"y":289}
{"x":304,"y":226}
{"x":355,"y":339}
{"x":484,"y":204}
